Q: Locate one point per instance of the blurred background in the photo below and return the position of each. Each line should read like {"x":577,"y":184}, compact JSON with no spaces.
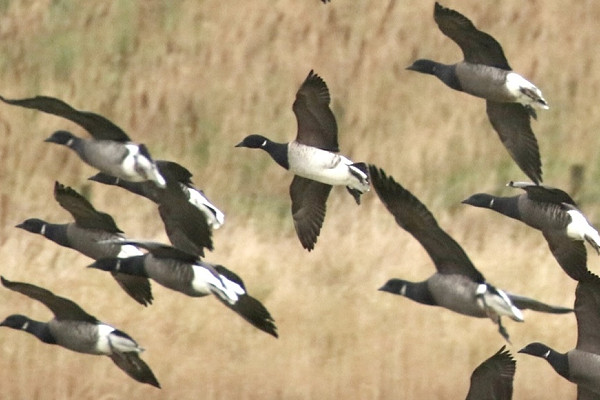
{"x":190,"y":79}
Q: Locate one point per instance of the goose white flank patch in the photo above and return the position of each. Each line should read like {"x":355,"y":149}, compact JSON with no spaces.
{"x":312,"y":158}
{"x":485,"y":73}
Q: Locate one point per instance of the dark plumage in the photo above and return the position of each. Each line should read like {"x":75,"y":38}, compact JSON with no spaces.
{"x":187,"y":214}
{"x":76,"y":330}
{"x":485,"y":73}
{"x":86,"y":235}
{"x":313,"y":160}
{"x":185,"y":273}
{"x":582,"y":364}
{"x":493,"y":378}
{"x":555,"y":214}
{"x":457,"y":285}
{"x":111,"y":151}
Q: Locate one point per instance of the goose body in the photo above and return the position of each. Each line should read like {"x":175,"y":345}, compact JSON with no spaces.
{"x":185,"y":273}
{"x":312,"y":158}
{"x":457,"y":285}
{"x":484,"y":72}
{"x":76,"y":330}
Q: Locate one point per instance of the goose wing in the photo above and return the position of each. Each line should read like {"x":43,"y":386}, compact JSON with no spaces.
{"x":85,"y":215}
{"x":309,"y":200}
{"x":478,"y":47}
{"x":493,"y":379}
{"x":316,"y":122}
{"x":587,"y":312}
{"x":512,"y":123}
{"x":249,"y":308}
{"x":135,"y":367}
{"x":570,"y":254}
{"x":544,"y":194}
{"x":415,"y":218}
{"x":98,"y":126}
{"x":63,"y":309}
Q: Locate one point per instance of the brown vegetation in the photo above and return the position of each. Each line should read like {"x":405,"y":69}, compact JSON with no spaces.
{"x":190,"y":79}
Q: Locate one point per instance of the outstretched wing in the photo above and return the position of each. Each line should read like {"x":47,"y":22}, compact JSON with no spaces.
{"x":493,"y":379}
{"x":415,"y":218}
{"x":478,"y":47}
{"x":98,"y":126}
{"x":63,"y":309}
{"x":309,"y":203}
{"x":85,"y":215}
{"x":316,"y":122}
{"x":512,"y":123}
{"x":135,"y":367}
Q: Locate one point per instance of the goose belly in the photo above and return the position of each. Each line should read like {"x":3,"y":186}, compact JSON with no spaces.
{"x":584,"y":369}
{"x":484,"y":81}
{"x":321,"y":166}
{"x":456,"y":293}
{"x":77,"y":336}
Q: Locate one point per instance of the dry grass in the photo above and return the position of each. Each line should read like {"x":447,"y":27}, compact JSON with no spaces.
{"x":191,"y":79}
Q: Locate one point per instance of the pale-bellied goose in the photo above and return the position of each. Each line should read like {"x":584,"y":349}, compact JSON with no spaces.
{"x":313,"y":159}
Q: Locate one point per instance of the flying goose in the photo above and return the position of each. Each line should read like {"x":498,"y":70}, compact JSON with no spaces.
{"x":493,"y":378}
{"x":457,"y":285}
{"x":553,"y":212}
{"x":86,"y":235}
{"x":313,"y":160}
{"x":186,"y":212}
{"x":485,"y":73}
{"x":186,"y":273}
{"x":110,"y":150}
{"x":76,"y":330}
{"x":582,"y":364}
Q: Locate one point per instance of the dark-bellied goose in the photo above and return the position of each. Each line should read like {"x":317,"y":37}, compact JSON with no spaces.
{"x":186,"y":273}
{"x":553,"y":212}
{"x":76,"y":330}
{"x":457,"y":285}
{"x":485,"y":73}
{"x":187,"y":214}
{"x":86,"y":235}
{"x":171,"y":171}
{"x":493,"y":378}
{"x":313,"y":160}
{"x":110,"y":150}
{"x":582,"y":364}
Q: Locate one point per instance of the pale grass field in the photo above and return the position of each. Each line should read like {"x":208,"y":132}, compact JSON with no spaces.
{"x":191,"y":79}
